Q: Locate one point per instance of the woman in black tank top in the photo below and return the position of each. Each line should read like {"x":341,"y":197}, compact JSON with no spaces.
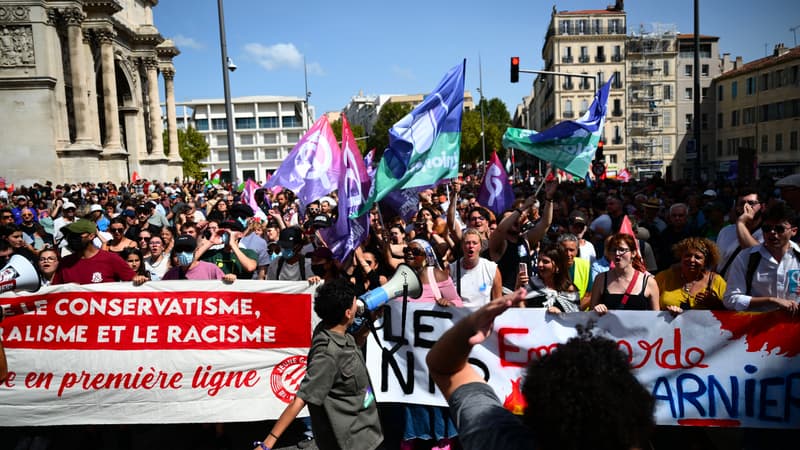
{"x":627,"y":285}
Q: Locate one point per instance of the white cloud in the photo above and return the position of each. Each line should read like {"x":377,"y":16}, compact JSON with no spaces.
{"x":403,"y":73}
{"x":279,"y":56}
{"x":186,"y":42}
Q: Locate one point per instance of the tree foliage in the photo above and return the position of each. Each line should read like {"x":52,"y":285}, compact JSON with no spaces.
{"x":389,"y":115}
{"x":193,"y":148}
{"x":358,"y":131}
{"x":495,"y":121}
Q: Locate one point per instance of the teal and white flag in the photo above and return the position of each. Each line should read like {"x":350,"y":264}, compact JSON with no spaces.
{"x":424,"y":145}
{"x":568,"y":145}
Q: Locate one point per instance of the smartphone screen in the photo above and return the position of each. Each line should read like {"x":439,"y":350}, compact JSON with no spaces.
{"x":523,"y":268}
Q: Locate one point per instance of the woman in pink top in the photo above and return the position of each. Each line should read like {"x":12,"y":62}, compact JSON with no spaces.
{"x":437,"y":286}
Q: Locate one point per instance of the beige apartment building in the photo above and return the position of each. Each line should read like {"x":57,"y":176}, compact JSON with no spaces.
{"x":585,"y":43}
{"x":758,"y":116}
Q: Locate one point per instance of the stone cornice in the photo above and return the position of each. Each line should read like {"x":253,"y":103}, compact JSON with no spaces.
{"x":167,"y":49}
{"x":27,"y":83}
{"x":109,"y":7}
{"x":14,"y":13}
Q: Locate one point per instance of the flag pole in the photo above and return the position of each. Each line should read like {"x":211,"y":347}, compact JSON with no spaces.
{"x":549,"y":170}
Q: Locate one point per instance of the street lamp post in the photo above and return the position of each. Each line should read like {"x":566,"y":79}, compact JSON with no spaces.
{"x":483,"y":131}
{"x":226,"y":66}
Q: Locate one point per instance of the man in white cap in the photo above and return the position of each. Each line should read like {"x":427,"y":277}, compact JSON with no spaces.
{"x":790,"y":190}
{"x":67,"y":217}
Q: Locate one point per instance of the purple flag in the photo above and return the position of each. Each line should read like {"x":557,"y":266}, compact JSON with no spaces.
{"x":404,"y":202}
{"x":347,"y":234}
{"x":250,"y":187}
{"x":369,"y":160}
{"x":313,"y":167}
{"x":496,"y":193}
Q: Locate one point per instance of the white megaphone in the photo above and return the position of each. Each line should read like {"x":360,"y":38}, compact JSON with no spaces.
{"x":404,"y":279}
{"x":19,"y":274}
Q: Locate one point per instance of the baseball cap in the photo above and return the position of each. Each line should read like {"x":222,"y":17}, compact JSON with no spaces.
{"x":710,"y":193}
{"x":330,"y":201}
{"x":69,"y":205}
{"x":789,"y":181}
{"x":321,"y":221}
{"x":290,"y":237}
{"x":81,"y":226}
{"x":185,"y":243}
{"x":95,"y":207}
{"x":129,"y":213}
{"x":577,"y":216}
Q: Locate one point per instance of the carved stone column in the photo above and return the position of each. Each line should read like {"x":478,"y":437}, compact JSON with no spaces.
{"x":111,"y":109}
{"x":156,"y":128}
{"x":80,"y":93}
{"x":172,"y":123}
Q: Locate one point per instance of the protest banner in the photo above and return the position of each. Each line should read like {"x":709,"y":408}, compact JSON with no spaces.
{"x":704,"y":368}
{"x":164,"y":352}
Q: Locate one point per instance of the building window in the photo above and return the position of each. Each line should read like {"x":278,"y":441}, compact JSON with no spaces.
{"x":615,"y":26}
{"x":222,"y":155}
{"x":704,"y":121}
{"x":219,"y":124}
{"x":667,"y":118}
{"x":584,"y":58}
{"x":220,"y":140}
{"x":584,"y":106}
{"x":764,"y":143}
{"x":749,"y":115}
{"x":720,"y":91}
{"x":268,"y":122}
{"x":704,"y":70}
{"x":779,"y":142}
{"x":667,"y":144}
{"x":292,"y":138}
{"x":687,"y":93}
{"x":566,"y":27}
{"x":688,"y":122}
{"x":617,"y":84}
{"x":245,"y":123}
{"x":271,"y":153}
{"x":764,"y":113}
{"x":735,"y":118}
{"x":687,"y":70}
{"x":601,"y":77}
{"x":248,"y":155}
{"x":719,"y":148}
{"x":734,"y":89}
{"x":582,"y":26}
{"x":617,"y":57}
{"x":720,"y":120}
{"x":764,"y":83}
{"x":601,"y":54}
{"x":751,"y":85}
{"x":568,"y":112}
{"x":247,"y":139}
{"x":704,"y":93}
{"x":567,"y":57}
{"x":585,"y":82}
{"x":290,"y":122}
{"x":201,"y":124}
{"x":269,"y":138}
{"x":667,"y":92}
{"x":612,"y":158}
{"x":596,"y":26}
{"x":793,"y":141}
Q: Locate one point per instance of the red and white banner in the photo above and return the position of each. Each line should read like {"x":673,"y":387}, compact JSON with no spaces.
{"x":703,"y":368}
{"x":163,"y":352}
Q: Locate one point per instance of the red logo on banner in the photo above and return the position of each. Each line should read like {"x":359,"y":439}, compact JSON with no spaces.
{"x":286,"y":377}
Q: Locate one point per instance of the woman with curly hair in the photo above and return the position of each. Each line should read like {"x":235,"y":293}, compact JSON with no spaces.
{"x":692,"y":283}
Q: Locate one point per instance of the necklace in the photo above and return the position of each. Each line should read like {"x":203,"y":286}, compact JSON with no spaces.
{"x":688,"y":285}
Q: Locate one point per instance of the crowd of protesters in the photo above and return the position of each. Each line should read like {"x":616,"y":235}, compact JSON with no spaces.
{"x":689,"y":246}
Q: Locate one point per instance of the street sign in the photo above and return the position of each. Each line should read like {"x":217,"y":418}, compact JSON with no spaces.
{"x":598,"y":169}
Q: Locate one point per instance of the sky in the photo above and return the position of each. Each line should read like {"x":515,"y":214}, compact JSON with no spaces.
{"x":405,"y":47}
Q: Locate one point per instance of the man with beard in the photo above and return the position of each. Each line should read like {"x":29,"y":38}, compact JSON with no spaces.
{"x":32,"y":231}
{"x":88,"y":264}
{"x":744,"y":233}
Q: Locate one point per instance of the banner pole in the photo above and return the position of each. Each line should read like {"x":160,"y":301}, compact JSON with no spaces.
{"x":549,"y":169}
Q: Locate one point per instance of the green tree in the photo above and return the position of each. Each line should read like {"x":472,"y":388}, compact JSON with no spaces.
{"x":193,"y":148}
{"x":358,"y":132}
{"x":495,"y":121}
{"x":389,"y":115}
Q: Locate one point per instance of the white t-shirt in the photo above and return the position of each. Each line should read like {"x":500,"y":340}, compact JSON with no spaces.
{"x":728,"y":242}
{"x":586,"y":251}
{"x":476,"y":283}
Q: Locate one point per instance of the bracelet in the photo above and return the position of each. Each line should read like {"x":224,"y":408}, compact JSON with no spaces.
{"x":271,"y":434}
{"x":262,"y":444}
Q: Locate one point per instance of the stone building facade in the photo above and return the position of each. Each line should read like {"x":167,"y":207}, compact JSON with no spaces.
{"x":79,"y":92}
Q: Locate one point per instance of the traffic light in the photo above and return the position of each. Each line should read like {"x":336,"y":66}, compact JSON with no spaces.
{"x":598,"y":155}
{"x":514,"y":69}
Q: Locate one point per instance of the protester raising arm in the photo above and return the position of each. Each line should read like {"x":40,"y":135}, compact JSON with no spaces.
{"x":447,"y":360}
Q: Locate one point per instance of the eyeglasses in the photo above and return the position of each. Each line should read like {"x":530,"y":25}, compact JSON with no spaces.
{"x":750,"y":202}
{"x":146,"y":239}
{"x":48,"y":259}
{"x":6,"y":217}
{"x":620,"y":251}
{"x":414,"y":251}
{"x":481,"y":218}
{"x":117,"y":230}
{"x":780,"y":229}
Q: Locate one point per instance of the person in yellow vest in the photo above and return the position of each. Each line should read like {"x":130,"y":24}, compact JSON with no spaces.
{"x":578,"y":267}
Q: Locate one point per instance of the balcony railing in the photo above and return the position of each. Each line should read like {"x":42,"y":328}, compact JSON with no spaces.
{"x":617,"y":140}
{"x":616,"y":58}
{"x":600,"y":58}
{"x":569,"y":114}
{"x":616,"y":112}
{"x":566,"y":59}
{"x":567,"y":86}
{"x":583,"y":59}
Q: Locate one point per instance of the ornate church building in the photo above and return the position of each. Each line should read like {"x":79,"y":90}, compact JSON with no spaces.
{"x":79,"y":92}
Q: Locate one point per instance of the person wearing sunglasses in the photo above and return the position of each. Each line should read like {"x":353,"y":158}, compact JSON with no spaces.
{"x":744,"y":232}
{"x":766,"y":277}
{"x":118,"y":242}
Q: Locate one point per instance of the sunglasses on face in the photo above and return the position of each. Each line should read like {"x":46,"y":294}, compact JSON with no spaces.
{"x":117,"y":230}
{"x":780,"y":229}
{"x":142,"y":238}
{"x":414,"y":251}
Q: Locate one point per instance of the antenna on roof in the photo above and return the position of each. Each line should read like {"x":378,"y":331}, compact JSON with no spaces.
{"x":794,"y":32}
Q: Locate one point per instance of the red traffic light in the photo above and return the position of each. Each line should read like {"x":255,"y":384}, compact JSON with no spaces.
{"x":514,"y":69}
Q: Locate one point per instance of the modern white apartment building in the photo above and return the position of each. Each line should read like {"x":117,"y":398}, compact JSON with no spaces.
{"x":266,"y":128}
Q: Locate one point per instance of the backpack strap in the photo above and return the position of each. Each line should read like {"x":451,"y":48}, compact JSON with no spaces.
{"x":752,"y":265}
{"x":458,"y":276}
{"x":730,"y":260}
{"x":280,"y":267}
{"x":302,"y":263}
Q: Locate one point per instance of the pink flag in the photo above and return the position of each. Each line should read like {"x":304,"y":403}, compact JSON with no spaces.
{"x":624,"y":175}
{"x":250,"y":187}
{"x":627,"y":228}
{"x":347,"y":234}
{"x":313,"y":167}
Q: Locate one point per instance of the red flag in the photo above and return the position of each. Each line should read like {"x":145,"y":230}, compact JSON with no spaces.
{"x":624,"y":175}
{"x":135,"y":177}
{"x":627,"y":228}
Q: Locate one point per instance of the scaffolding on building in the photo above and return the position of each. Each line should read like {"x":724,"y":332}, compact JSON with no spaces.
{"x":651,"y":53}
